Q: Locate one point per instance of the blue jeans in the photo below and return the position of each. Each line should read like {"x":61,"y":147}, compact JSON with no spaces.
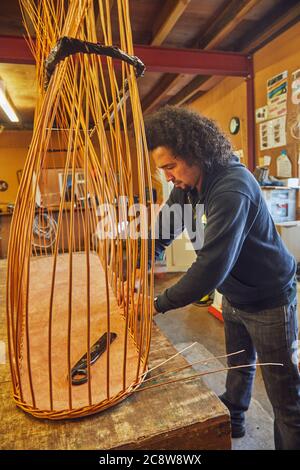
{"x":271,"y":334}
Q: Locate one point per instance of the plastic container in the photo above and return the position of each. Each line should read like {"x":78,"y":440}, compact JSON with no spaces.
{"x":284,"y":166}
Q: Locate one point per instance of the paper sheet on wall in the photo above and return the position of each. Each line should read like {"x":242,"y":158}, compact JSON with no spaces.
{"x":278,"y":107}
{"x":267,"y":160}
{"x":277,"y":87}
{"x":296,"y":87}
{"x":272,"y":133}
{"x":261,"y":114}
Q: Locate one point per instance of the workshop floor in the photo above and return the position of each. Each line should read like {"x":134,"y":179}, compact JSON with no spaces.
{"x":195,"y":324}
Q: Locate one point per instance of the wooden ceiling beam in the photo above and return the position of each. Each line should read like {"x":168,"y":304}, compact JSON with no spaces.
{"x":188,"y":91}
{"x":232,"y":15}
{"x":283,"y":17}
{"x":225,"y":22}
{"x":168,"y":81}
{"x":169,"y":16}
{"x":195,"y":97}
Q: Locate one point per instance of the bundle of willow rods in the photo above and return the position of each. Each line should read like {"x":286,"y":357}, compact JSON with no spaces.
{"x":83,"y":111}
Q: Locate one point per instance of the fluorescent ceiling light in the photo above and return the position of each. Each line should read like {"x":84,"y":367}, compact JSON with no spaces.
{"x":6,"y":106}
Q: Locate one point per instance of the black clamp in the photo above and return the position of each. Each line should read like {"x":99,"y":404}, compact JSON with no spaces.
{"x":66,"y":46}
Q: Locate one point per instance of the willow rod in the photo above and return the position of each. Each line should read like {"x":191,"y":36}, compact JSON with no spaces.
{"x":65,"y":284}
{"x":195,"y":376}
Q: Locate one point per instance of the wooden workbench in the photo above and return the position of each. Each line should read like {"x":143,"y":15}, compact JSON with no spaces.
{"x":184,"y":415}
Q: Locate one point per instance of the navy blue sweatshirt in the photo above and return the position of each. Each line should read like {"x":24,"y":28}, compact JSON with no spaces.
{"x":242,"y":255}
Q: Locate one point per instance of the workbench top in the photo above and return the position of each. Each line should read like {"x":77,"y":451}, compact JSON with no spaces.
{"x":182,"y":415}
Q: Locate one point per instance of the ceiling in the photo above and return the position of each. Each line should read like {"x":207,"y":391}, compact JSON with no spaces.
{"x":222,"y":25}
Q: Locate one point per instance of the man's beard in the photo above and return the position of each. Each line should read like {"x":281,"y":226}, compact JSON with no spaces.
{"x":186,"y":188}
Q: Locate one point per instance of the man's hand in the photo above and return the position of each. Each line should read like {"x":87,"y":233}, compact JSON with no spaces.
{"x":137,"y":305}
{"x":137,"y":284}
{"x":150,"y":300}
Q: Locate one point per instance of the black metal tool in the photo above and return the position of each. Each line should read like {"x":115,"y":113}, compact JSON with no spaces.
{"x":79,"y":372}
{"x":67,"y":46}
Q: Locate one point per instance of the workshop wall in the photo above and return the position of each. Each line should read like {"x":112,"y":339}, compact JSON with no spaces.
{"x":13,"y":151}
{"x":278,"y":56}
{"x":228,"y":98}
{"x":224,"y":101}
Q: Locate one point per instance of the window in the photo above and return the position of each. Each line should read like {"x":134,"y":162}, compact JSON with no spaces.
{"x":79,"y":185}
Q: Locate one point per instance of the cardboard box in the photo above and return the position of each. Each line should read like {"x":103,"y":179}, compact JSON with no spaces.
{"x":281,"y":203}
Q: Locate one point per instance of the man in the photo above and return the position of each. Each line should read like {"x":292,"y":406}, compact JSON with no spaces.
{"x":242,"y":256}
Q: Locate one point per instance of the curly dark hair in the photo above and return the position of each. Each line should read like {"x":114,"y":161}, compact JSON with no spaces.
{"x":190,"y":136}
